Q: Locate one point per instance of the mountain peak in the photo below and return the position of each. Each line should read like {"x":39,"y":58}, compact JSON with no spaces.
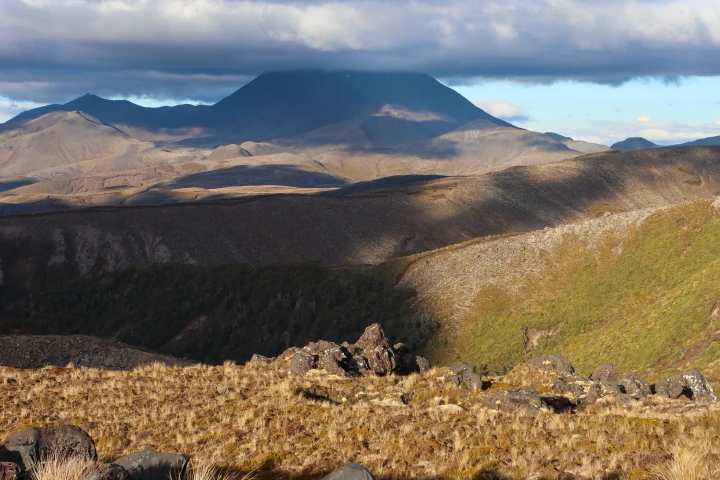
{"x":633,"y":143}
{"x":287,"y":103}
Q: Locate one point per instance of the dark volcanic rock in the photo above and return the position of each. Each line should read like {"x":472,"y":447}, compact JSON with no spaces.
{"x":110,"y":471}
{"x":552,"y":363}
{"x":634,"y":386}
{"x":370,"y":355}
{"x":691,"y":384}
{"x":604,"y":373}
{"x":528,"y":402}
{"x":351,"y":471}
{"x":33,"y":444}
{"x":302,"y":362}
{"x":465,"y":375}
{"x":148,"y":464}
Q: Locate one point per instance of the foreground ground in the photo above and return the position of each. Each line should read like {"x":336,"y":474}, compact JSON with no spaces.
{"x":259,"y":418}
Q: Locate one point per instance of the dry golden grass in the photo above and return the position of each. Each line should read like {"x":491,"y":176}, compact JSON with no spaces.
{"x":256,"y":417}
{"x":58,"y":467}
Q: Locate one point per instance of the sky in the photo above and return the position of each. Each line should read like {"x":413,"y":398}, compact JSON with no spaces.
{"x":595,"y":70}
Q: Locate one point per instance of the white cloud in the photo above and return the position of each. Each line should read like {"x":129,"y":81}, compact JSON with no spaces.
{"x":505,"y":110}
{"x":537,"y":40}
{"x":9,"y":108}
{"x":644,"y":119}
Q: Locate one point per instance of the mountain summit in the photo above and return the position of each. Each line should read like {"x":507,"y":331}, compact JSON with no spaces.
{"x":288,"y":103}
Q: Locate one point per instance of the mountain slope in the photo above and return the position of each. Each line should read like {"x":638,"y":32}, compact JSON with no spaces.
{"x":60,"y":139}
{"x":639,"y":294}
{"x":281,"y":104}
{"x":710,"y":141}
{"x":369,"y":226}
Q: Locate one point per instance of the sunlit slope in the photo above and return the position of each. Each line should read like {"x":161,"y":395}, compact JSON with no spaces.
{"x":648,"y":300}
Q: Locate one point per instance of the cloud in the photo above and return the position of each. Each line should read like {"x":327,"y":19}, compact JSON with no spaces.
{"x":9,"y":107}
{"x":644,"y":119}
{"x":660,"y":132}
{"x":52,"y":50}
{"x":504,"y":110}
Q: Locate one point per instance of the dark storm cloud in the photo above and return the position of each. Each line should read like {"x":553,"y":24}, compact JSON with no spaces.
{"x":52,"y":50}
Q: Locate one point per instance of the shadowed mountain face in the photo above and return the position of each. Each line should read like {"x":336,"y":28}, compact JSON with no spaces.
{"x":282,"y":104}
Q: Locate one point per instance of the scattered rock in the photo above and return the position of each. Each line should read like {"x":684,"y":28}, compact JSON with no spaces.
{"x":634,"y":386}
{"x":110,"y":471}
{"x":148,"y":464}
{"x":302,"y":362}
{"x":552,"y":363}
{"x":33,"y":444}
{"x":351,"y":471}
{"x":524,"y":401}
{"x":691,"y":384}
{"x":604,"y":373}
{"x":465,"y":376}
{"x":370,"y":355}
{"x":260,"y":359}
{"x":569,"y":386}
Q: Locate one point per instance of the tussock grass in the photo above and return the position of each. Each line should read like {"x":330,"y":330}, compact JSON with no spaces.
{"x":252,"y":419}
{"x":56,"y":466}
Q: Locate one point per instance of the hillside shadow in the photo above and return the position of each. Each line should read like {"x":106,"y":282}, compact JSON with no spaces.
{"x":285,"y":175}
{"x":7,"y":185}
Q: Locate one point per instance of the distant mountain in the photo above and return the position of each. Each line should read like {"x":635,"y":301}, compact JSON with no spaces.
{"x":704,"y":142}
{"x":633,"y":143}
{"x":577,"y":145}
{"x":282,"y":104}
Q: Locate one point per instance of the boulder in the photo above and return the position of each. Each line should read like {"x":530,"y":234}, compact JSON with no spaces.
{"x":336,"y":360}
{"x":465,"y":376}
{"x":633,"y":386}
{"x":524,"y":401}
{"x":33,"y":444}
{"x":302,"y":362}
{"x":552,"y":363}
{"x":260,"y":359}
{"x":351,"y":471}
{"x":691,"y":384}
{"x":148,"y":464}
{"x":604,"y":373}
{"x":569,"y":386}
{"x":9,"y":471}
{"x":381,"y":360}
{"x":110,"y":471}
{"x":372,"y":338}
{"x":370,"y":355}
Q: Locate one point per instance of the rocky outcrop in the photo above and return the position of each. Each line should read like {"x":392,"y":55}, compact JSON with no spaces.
{"x":555,"y":376}
{"x":371,"y":354}
{"x":110,"y":471}
{"x":148,"y":464}
{"x":691,"y":384}
{"x":351,"y":471}
{"x":33,"y":444}
{"x":524,"y":401}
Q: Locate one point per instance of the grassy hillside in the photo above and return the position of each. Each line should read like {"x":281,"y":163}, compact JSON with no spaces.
{"x":647,"y":302}
{"x":217,"y":313}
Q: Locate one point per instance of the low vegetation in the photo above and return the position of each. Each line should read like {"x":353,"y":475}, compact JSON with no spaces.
{"x":647,"y":301}
{"x":254,"y":418}
{"x":212,"y":314}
